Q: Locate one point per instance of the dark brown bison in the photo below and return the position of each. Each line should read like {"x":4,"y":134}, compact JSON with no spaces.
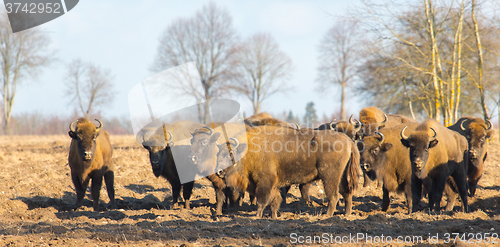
{"x":374,"y":119}
{"x":477,"y":132}
{"x":301,"y":158}
{"x":90,"y":158}
{"x":435,"y":153}
{"x":384,"y":154}
{"x":162,"y":163}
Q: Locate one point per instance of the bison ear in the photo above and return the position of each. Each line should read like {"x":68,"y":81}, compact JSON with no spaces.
{"x":489,"y":134}
{"x":72,"y":134}
{"x":360,"y":145}
{"x":385,"y":147}
{"x":433,"y":143}
{"x":241,"y":148}
{"x":214,"y":137}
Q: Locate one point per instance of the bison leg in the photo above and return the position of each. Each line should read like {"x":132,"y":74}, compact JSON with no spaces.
{"x":176,"y":192}
{"x":80,"y":189}
{"x":187,"y":189}
{"x":386,"y":200}
{"x":264,"y":192}
{"x":452,"y":197}
{"x":96,"y":191}
{"x":472,"y":186}
{"x":109,"y":179}
{"x":436,"y":193}
{"x":409,"y":197}
{"x":284,"y":192}
{"x":460,"y":178}
{"x":304,"y":191}
{"x":367,"y":180}
{"x":348,"y":203}
{"x":332,"y":194}
{"x":275,"y":204}
{"x":416,"y":190}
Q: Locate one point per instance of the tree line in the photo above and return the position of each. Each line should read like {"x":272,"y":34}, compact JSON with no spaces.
{"x":427,"y":59}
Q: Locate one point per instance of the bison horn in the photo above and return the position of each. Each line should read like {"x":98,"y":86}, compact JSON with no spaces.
{"x":165,"y":132}
{"x":462,"y":124}
{"x":235,"y":143}
{"x":333,"y":125}
{"x":357,"y":126}
{"x":144,"y":137}
{"x":209,"y":129}
{"x":350,"y":120}
{"x":382,"y":137}
{"x":433,"y":130}
{"x":297,"y":126}
{"x":382,"y":124}
{"x":171,"y":136}
{"x":71,"y":126}
{"x":100,"y":124}
{"x":488,"y":123}
{"x":403,"y":133}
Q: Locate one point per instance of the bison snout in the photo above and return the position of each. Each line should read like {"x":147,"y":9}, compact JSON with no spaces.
{"x":88,"y":155}
{"x":473,"y":154}
{"x":155,"y":164}
{"x":419,"y":164}
{"x":194,"y":158}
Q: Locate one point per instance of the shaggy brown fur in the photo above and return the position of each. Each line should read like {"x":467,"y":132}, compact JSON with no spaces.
{"x":436,"y":153}
{"x":90,"y":158}
{"x":262,"y":171}
{"x":477,"y":132}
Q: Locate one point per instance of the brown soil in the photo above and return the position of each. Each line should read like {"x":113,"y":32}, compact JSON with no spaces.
{"x":36,"y":195}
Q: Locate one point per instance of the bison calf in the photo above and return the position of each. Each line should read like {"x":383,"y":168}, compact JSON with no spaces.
{"x":90,"y":158}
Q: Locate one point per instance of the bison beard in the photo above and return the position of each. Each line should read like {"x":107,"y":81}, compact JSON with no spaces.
{"x":90,"y":158}
{"x":263,"y":173}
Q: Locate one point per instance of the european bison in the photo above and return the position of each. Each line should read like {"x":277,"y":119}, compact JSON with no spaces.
{"x":436,"y":153}
{"x":90,"y":158}
{"x":477,"y":132}
{"x":162,"y":162}
{"x":301,"y":158}
{"x":384,"y":154}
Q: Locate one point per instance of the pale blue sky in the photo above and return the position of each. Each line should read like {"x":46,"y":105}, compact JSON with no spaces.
{"x":123,"y":36}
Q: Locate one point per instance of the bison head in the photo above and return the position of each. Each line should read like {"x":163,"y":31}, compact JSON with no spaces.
{"x":351,"y":128}
{"x":85,"y":134}
{"x":477,"y":133}
{"x":419,"y":143}
{"x":372,"y":156}
{"x":158,"y":146}
{"x":228,"y":156}
{"x":204,"y":148}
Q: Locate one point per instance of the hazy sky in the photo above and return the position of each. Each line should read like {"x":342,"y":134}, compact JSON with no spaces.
{"x":123,"y":36}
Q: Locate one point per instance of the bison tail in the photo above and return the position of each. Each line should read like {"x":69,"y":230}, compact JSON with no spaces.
{"x":353,"y":169}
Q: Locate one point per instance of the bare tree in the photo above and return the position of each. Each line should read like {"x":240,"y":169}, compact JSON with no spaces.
{"x":427,"y":53}
{"x":89,"y":86}
{"x":23,"y":54}
{"x":262,"y":69}
{"x":207,"y":39}
{"x":339,"y":58}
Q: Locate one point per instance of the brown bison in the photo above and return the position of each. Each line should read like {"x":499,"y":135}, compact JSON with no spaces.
{"x":90,"y":158}
{"x":435,"y":153}
{"x":296,"y":157}
{"x":374,"y":119}
{"x":385,"y":155}
{"x":162,"y":163}
{"x":477,"y":132}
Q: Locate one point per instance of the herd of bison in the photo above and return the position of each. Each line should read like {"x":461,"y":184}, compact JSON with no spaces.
{"x":267,"y":183}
